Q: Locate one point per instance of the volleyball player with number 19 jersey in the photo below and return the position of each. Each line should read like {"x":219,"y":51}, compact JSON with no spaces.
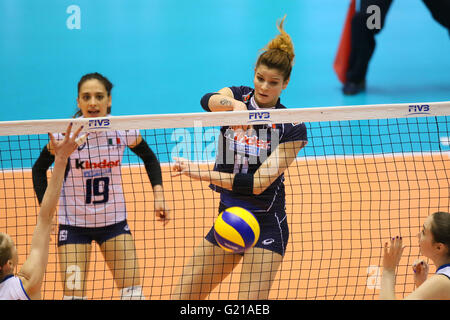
{"x":92,"y":194}
{"x":92,"y":204}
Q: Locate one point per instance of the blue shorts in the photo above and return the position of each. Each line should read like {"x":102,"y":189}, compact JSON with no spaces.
{"x":79,"y":235}
{"x":274,"y":230}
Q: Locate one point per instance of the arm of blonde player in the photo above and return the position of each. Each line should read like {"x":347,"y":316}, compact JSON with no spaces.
{"x":391,"y":259}
{"x":33,"y":269}
{"x":267,"y":173}
{"x":225,"y":101}
{"x":162,"y":210}
{"x":276,"y":164}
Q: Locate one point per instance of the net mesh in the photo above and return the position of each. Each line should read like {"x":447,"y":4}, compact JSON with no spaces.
{"x":360,"y":180}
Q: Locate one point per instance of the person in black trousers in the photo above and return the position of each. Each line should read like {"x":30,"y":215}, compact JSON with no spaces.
{"x":363,"y":38}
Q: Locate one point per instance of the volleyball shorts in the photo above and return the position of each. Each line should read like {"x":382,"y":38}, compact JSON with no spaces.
{"x":79,"y":235}
{"x":274,"y":230}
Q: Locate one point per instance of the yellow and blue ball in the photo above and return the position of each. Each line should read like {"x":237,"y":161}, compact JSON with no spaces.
{"x":236,"y":230}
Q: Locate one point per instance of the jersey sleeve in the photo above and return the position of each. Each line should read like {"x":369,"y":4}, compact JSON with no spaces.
{"x":294,"y":132}
{"x":130,"y":136}
{"x":240,"y":92}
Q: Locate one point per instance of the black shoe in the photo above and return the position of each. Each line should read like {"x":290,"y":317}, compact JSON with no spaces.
{"x":352,"y":88}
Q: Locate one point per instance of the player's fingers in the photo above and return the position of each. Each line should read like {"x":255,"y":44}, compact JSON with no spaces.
{"x":178,"y":159}
{"x":68,"y":130}
{"x":420,"y":266}
{"x":176,"y":174}
{"x":417,"y":266}
{"x":163,"y":216}
{"x":399,"y":245}
{"x":396,"y":242}
{"x":392,"y":243}
{"x":402,"y":249}
{"x":80,"y":140}
{"x":52,"y":140}
{"x":394,"y":246}
{"x":386,"y":248}
{"x":240,"y":128}
{"x":77,"y":132}
{"x":176,"y":167}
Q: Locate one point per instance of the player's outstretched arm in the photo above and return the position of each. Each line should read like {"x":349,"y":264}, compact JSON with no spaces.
{"x":33,"y":269}
{"x":266,"y":174}
{"x":391,"y":259}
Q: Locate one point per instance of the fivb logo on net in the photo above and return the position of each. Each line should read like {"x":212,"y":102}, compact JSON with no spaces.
{"x":99,"y":124}
{"x":202,"y":144}
{"x":258,"y":116}
{"x":419,"y":109}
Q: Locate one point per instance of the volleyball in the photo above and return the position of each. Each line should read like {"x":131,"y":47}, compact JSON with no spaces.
{"x":236,"y":230}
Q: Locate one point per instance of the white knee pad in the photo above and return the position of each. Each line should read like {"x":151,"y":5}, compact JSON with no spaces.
{"x":132,"y":293}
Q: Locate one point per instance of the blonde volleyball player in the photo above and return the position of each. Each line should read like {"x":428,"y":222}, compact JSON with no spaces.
{"x":434,"y":243}
{"x":28,"y":281}
{"x":253,"y":179}
{"x":92,"y":200}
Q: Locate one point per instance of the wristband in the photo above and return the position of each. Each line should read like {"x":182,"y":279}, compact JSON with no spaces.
{"x":243,"y":184}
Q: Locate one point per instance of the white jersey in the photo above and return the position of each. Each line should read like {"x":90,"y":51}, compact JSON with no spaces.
{"x":92,"y":194}
{"x":444,"y":269}
{"x":11,"y":288}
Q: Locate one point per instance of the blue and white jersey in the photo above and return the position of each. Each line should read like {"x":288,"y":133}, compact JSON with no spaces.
{"x":11,"y":288}
{"x":444,"y":269}
{"x":241,"y":152}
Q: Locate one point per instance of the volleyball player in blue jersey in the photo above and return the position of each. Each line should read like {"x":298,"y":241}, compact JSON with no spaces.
{"x":434,"y":243}
{"x":248,"y":173}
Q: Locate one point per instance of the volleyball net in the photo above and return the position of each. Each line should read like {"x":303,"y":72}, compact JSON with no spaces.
{"x":367,"y":173}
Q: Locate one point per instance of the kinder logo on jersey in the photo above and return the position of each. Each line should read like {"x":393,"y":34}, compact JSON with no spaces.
{"x":96,"y":165}
{"x":99,"y":124}
{"x":419,"y":109}
{"x":259,"y":116}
